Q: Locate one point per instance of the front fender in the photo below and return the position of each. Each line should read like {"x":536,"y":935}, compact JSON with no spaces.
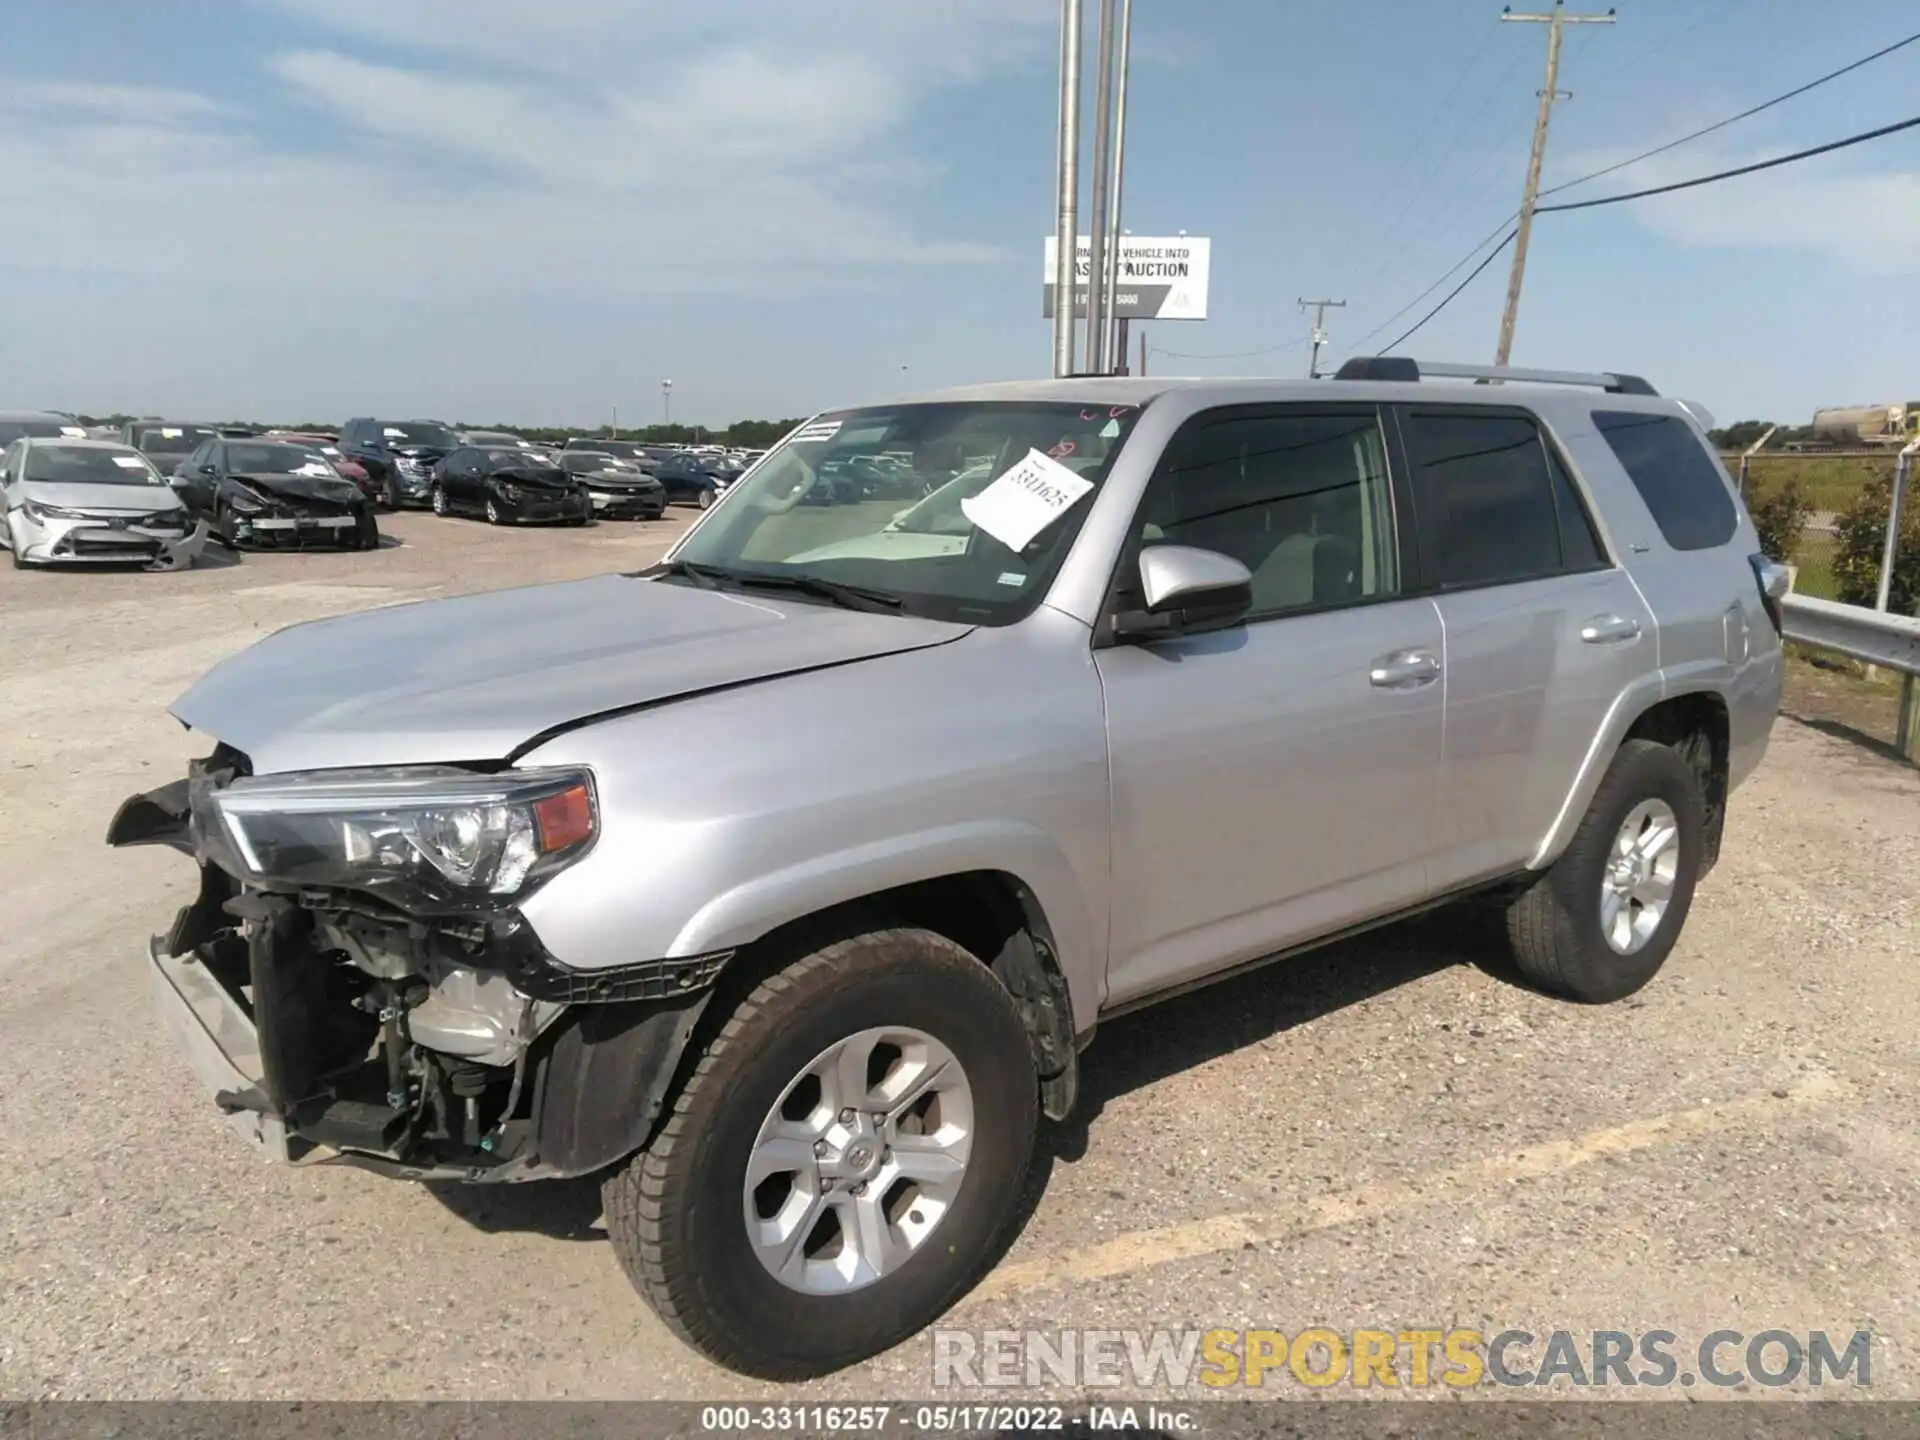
{"x":759,"y":906}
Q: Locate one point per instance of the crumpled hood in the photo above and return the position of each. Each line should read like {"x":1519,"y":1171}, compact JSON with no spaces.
{"x":535,"y":479}
{"x":126,"y":499}
{"x":476,"y":678}
{"x":332,"y":489}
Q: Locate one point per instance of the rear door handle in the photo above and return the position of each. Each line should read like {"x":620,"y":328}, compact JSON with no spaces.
{"x":1404,"y":670}
{"x":1609,"y":630}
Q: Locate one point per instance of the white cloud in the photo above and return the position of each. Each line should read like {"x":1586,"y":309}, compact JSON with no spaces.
{"x":123,"y":102}
{"x":581,"y":146}
{"x":1868,"y":222}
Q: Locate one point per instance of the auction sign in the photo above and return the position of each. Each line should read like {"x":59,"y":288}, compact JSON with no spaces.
{"x":1160,"y":278}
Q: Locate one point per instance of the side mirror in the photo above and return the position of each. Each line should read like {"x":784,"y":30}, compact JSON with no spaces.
{"x":1188,"y":591}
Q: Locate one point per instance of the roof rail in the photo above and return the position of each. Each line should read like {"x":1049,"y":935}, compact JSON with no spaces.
{"x":1401,"y":368}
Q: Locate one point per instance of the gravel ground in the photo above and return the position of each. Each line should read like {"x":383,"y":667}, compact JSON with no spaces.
{"x":1382,"y":1135}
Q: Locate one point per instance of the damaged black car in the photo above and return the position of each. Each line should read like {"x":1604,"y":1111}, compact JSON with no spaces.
{"x":274,"y":495}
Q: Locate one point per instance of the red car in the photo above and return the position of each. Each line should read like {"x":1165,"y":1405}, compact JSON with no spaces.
{"x":327,"y":445}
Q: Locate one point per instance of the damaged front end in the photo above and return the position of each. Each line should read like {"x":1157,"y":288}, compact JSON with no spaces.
{"x":353,"y":982}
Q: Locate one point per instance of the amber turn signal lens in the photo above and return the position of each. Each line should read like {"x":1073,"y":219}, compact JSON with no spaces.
{"x":565,"y":820}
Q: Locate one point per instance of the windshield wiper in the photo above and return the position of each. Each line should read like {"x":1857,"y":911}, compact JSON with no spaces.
{"x":847,"y":597}
{"x":707,"y":577}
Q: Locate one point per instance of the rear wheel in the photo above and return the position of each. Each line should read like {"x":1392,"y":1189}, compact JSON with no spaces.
{"x":439,"y":500}
{"x":842,"y":1163}
{"x":392,"y":491}
{"x":1602,"y":920}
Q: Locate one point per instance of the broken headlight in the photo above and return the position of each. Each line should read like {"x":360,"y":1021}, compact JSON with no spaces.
{"x":424,"y":839}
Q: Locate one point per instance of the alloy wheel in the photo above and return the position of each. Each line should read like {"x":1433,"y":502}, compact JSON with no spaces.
{"x":1636,"y":887}
{"x":859,"y":1161}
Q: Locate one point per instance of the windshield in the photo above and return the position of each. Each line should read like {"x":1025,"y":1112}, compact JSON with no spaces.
{"x":625,"y":449}
{"x":172,"y":440}
{"x":12,"y":430}
{"x":278,"y":460}
{"x":89,"y":465}
{"x":417,"y":432}
{"x":589,"y":460}
{"x":818,"y":507}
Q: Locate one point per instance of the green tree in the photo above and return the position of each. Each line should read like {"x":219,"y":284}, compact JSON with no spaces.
{"x":1780,"y":515}
{"x":1863,"y":538}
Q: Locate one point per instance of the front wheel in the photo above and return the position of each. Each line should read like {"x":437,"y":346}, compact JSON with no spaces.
{"x":1599,"y":923}
{"x":494,"y":517}
{"x":842,"y":1163}
{"x":706,"y":499}
{"x":439,"y":500}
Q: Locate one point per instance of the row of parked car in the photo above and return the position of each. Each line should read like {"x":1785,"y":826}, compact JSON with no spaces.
{"x":161,"y":489}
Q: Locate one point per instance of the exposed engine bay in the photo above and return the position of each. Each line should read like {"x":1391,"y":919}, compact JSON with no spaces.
{"x":444,"y":1047}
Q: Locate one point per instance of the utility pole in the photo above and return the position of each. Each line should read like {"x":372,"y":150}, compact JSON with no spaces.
{"x":1067,"y":213}
{"x":1556,"y":22}
{"x":666,"y":402}
{"x":1320,"y":308}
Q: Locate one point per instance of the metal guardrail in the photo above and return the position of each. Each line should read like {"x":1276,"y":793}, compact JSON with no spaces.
{"x":1877,"y":638}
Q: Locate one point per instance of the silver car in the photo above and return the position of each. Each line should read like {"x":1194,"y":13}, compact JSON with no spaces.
{"x":75,"y":501}
{"x":784,"y":883}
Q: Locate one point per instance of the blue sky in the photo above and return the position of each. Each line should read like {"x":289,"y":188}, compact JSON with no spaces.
{"x":533,"y":210}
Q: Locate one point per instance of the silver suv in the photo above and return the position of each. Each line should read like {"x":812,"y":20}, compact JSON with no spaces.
{"x":784,"y":882}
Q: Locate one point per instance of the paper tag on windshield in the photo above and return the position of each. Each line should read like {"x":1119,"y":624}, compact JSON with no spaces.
{"x":1025,"y":500}
{"x":317,"y":469}
{"x":170,"y":433}
{"x":818,"y":430}
{"x":129,"y":462}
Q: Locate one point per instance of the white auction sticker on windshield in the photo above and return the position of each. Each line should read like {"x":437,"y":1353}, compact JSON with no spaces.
{"x":819,"y":430}
{"x":129,"y":462}
{"x":1024,"y":501}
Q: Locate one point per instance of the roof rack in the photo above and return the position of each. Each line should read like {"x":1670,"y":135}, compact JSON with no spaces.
{"x":1401,"y":368}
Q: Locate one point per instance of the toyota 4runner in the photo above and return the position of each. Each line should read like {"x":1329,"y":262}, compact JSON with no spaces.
{"x":783,"y":883}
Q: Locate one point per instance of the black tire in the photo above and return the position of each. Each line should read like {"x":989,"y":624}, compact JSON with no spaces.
{"x":367,"y":534}
{"x":223,"y":526}
{"x":391,"y":489}
{"x":1554,"y":928}
{"x":705,"y":500}
{"x":493,"y":513}
{"x":674,"y":1212}
{"x":437,"y":499}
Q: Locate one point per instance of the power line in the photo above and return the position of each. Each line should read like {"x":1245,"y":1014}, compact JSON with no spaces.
{"x":1235,"y":354}
{"x":1472,"y":275}
{"x":1743,"y":115}
{"x":1361,"y":343}
{"x":1772,"y":164}
{"x":1777,"y":161}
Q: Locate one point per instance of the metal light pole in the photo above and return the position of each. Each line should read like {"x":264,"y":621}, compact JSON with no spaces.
{"x":1890,"y":552}
{"x":1096,"y":345}
{"x":1067,"y":213}
{"x":666,"y":401}
{"x":1114,"y":345}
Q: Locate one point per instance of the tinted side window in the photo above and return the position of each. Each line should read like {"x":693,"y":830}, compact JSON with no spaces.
{"x":1675,"y":476}
{"x":1579,"y":545}
{"x":1483,"y":497}
{"x":1301,"y":499}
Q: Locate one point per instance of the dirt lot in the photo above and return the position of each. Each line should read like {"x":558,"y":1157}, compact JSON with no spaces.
{"x":1384,"y":1135}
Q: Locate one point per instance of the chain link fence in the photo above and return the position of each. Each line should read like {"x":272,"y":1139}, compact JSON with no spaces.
{"x":1830,"y":516}
{"x":1826,"y":514}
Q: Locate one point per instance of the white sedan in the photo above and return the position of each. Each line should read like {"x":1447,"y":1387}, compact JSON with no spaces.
{"x":95,"y":501}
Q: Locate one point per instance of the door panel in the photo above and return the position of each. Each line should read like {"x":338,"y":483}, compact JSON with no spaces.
{"x":1265,"y":791}
{"x":1527,"y":692}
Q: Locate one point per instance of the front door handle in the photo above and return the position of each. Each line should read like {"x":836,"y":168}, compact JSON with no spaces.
{"x":1609,"y":630}
{"x":1404,"y":670}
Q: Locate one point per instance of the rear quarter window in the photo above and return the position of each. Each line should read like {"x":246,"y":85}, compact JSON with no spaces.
{"x":1683,"y":487}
